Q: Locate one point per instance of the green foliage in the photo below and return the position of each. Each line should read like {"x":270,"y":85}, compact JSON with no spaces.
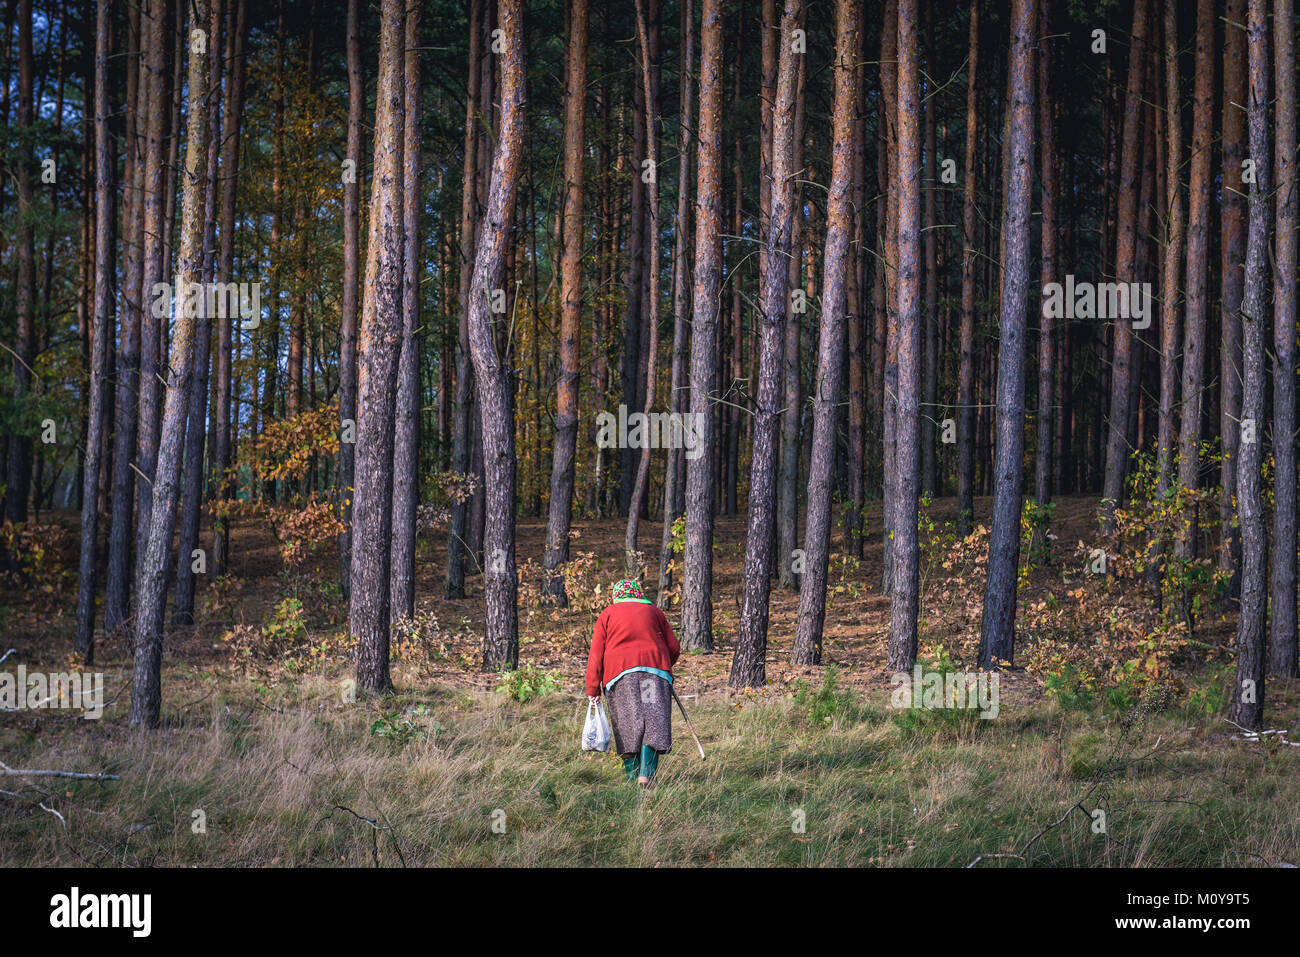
{"x":1035,"y":545}
{"x":846,"y":573}
{"x":288,"y":624}
{"x":398,"y":726}
{"x":1069,"y":687}
{"x":917,"y":720}
{"x":677,"y":543}
{"x":1210,"y":690}
{"x":528,"y":681}
{"x":829,"y":702}
{"x":1155,"y":519}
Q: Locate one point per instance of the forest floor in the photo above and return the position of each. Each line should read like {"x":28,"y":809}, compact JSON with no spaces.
{"x":263,"y":760}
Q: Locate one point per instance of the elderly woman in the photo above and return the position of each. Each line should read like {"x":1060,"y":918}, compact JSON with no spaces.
{"x":633,"y":650}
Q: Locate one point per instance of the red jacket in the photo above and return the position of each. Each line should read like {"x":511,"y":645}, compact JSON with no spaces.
{"x":629,"y":634}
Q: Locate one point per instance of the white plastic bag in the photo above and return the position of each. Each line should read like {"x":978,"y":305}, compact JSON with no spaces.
{"x":595,"y":730}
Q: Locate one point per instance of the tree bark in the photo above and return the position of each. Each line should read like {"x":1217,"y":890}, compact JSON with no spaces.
{"x":100,"y":333}
{"x":125,"y":410}
{"x":1198,"y":244}
{"x":146,"y":687}
{"x":1126,"y":255}
{"x":634,"y":281}
{"x":697,"y":583}
{"x":997,"y":631}
{"x":196,"y":432}
{"x":889,"y":383}
{"x":406,"y":445}
{"x":1043,"y":419}
{"x":1175,"y":237}
{"x":748,"y":666}
{"x":1282,"y":636}
{"x":632,"y":557}
{"x":830,"y":345}
{"x":237,"y":34}
{"x":791,"y":399}
{"x":19,"y":464}
{"x":858,"y":331}
{"x":675,"y":481}
{"x":349,"y":309}
{"x":930,"y":370}
{"x":491,"y":371}
{"x":966,"y":363}
{"x":1232,"y":238}
{"x":904,"y":595}
{"x":1247,"y":709}
{"x":462,"y":424}
{"x":564,"y":452}
{"x":151,"y":328}
{"x":379,"y":346}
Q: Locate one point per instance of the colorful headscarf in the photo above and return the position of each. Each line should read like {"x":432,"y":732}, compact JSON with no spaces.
{"x":628,"y":590}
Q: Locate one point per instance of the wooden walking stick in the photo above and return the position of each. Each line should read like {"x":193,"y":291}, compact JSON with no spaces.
{"x":688,"y":720}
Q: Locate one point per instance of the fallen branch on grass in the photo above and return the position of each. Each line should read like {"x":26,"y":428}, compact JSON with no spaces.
{"x":80,"y":775}
{"x":1257,"y":736}
{"x":375,"y":827}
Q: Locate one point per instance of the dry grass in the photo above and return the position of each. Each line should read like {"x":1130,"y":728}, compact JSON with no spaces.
{"x":286,"y":773}
{"x":289,"y":775}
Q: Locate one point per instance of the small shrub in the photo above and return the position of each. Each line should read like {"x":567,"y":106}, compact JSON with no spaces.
{"x":828,"y":702}
{"x":398,"y":726}
{"x":528,"y":681}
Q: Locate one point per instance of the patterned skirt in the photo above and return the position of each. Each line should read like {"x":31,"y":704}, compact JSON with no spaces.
{"x":640,"y":713}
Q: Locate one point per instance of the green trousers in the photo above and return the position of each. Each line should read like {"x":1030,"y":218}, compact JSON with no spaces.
{"x":647,"y":762}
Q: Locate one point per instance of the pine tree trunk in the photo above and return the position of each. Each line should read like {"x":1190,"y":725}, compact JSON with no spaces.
{"x":1247,"y":708}
{"x":1232,"y":239}
{"x":632,"y":557}
{"x":1126,"y":271}
{"x":997,"y":631}
{"x":930,"y":371}
{"x":564,"y":451}
{"x":100,"y":334}
{"x":697,"y":582}
{"x":349,"y":309}
{"x":1198,"y":244}
{"x":196,"y":431}
{"x":830,"y":345}
{"x":406,"y":445}
{"x":491,"y":372}
{"x":675,"y":481}
{"x":237,"y":33}
{"x":889,"y":382}
{"x":122,"y":530}
{"x":904,"y":593}
{"x":1043,"y":419}
{"x":146,"y":686}
{"x":791,"y":404}
{"x":151,"y":327}
{"x":634,"y":281}
{"x":966,"y":363}
{"x":748,"y":667}
{"x":1175,"y":238}
{"x":379,"y":346}
{"x":1282,"y":636}
{"x":858,"y":331}
{"x":19,"y":464}
{"x":462,"y":427}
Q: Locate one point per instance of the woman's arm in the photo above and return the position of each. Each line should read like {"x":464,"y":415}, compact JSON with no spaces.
{"x":596,"y":658}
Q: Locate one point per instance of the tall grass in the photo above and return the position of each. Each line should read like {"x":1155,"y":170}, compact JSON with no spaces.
{"x":291,"y":775}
